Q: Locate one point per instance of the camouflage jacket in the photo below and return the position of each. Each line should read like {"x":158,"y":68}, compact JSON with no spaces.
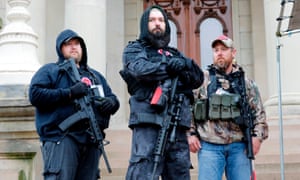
{"x":225,"y":132}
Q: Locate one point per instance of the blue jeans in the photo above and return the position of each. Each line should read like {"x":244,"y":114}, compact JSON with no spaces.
{"x":214,"y":159}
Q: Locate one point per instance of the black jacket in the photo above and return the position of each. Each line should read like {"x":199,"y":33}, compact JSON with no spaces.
{"x":144,"y":70}
{"x":49,"y":93}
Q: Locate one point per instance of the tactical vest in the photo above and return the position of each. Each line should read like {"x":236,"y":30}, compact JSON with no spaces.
{"x":222,"y":104}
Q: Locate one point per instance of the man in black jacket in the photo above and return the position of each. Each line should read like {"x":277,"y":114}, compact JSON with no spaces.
{"x":71,"y":154}
{"x":149,"y":63}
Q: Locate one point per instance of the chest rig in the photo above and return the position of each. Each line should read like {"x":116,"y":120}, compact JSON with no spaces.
{"x":223,"y":97}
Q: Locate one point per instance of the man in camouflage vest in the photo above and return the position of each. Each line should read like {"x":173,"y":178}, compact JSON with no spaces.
{"x":217,"y":135}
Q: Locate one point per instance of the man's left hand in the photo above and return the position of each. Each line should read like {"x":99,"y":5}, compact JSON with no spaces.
{"x":256,"y":142}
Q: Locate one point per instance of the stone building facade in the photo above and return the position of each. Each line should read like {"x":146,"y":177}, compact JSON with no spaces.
{"x":27,"y":41}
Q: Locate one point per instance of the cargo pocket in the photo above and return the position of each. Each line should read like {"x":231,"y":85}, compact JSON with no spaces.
{"x":52,"y":160}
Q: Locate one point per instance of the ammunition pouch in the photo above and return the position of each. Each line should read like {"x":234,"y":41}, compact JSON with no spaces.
{"x":159,"y":99}
{"x":224,"y":107}
{"x":200,"y":110}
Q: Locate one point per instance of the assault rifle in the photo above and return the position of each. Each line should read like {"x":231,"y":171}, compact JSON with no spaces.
{"x":85,"y":111}
{"x":171,"y":114}
{"x":245,"y":121}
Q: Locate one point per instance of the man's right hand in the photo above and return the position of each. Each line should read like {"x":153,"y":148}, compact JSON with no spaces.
{"x":194,"y":143}
{"x":78,"y":90}
{"x":106,"y":105}
{"x":176,"y":65}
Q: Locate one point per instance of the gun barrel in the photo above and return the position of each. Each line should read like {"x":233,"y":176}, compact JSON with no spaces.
{"x":250,"y":154}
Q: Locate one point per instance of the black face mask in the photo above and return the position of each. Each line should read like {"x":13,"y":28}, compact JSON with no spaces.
{"x":159,"y":40}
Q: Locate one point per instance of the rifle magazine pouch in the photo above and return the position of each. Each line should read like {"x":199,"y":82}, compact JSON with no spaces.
{"x":235,"y":110}
{"x":215,"y":107}
{"x":200,"y":110}
{"x":225,"y":107}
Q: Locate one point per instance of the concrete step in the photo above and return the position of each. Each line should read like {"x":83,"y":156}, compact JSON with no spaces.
{"x":267,"y":162}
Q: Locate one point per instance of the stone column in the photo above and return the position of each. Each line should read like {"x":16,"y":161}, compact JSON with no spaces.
{"x":39,"y":23}
{"x":289,"y":64}
{"x":18,"y":44}
{"x":115,"y":43}
{"x":88,"y":18}
{"x":19,"y":146}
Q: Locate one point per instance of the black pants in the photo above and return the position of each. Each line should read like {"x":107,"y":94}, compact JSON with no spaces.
{"x":69,"y":160}
{"x":174,"y":165}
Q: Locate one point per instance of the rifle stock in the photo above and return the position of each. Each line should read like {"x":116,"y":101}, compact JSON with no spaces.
{"x":86,"y":111}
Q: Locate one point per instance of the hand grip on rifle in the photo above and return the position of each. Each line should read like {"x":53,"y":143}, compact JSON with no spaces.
{"x":106,"y":105}
{"x":78,"y":90}
{"x":175,"y":65}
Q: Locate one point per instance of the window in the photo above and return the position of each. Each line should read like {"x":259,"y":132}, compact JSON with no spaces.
{"x":209,"y":30}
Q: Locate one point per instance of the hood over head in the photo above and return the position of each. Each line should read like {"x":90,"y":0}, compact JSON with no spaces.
{"x":65,"y":36}
{"x":145,"y":35}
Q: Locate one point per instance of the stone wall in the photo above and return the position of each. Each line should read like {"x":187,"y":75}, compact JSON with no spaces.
{"x":20,"y":156}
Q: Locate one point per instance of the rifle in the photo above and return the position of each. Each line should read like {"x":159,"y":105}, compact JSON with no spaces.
{"x":171,"y":116}
{"x":247,"y":117}
{"x":85,"y":111}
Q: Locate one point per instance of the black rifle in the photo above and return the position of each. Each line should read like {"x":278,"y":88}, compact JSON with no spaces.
{"x":171,"y":116}
{"x":247,"y":116}
{"x":85,"y":111}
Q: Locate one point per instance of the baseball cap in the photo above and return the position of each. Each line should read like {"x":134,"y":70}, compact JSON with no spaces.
{"x":226,"y":41}
{"x":70,"y":38}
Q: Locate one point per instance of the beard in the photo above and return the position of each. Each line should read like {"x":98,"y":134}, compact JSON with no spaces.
{"x":159,"y":39}
{"x":222,"y":66}
{"x":74,"y":55}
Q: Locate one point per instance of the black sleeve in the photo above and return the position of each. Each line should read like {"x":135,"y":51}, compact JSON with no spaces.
{"x":193,"y":74}
{"x":136,"y":62}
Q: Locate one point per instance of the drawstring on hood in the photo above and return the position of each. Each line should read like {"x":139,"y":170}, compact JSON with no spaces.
{"x":145,"y":35}
{"x":65,"y":36}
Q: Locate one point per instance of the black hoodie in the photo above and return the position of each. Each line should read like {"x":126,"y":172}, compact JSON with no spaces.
{"x":50,"y":88}
{"x":147,"y":37}
{"x":67,"y":35}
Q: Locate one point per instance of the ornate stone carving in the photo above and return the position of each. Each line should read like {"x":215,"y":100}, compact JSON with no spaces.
{"x":170,"y":5}
{"x":210,"y":5}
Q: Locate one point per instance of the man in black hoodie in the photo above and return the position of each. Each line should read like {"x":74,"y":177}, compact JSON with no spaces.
{"x":71,"y":154}
{"x":148,"y":65}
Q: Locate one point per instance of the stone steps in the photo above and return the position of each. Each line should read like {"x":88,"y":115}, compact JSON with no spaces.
{"x":267,"y":162}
